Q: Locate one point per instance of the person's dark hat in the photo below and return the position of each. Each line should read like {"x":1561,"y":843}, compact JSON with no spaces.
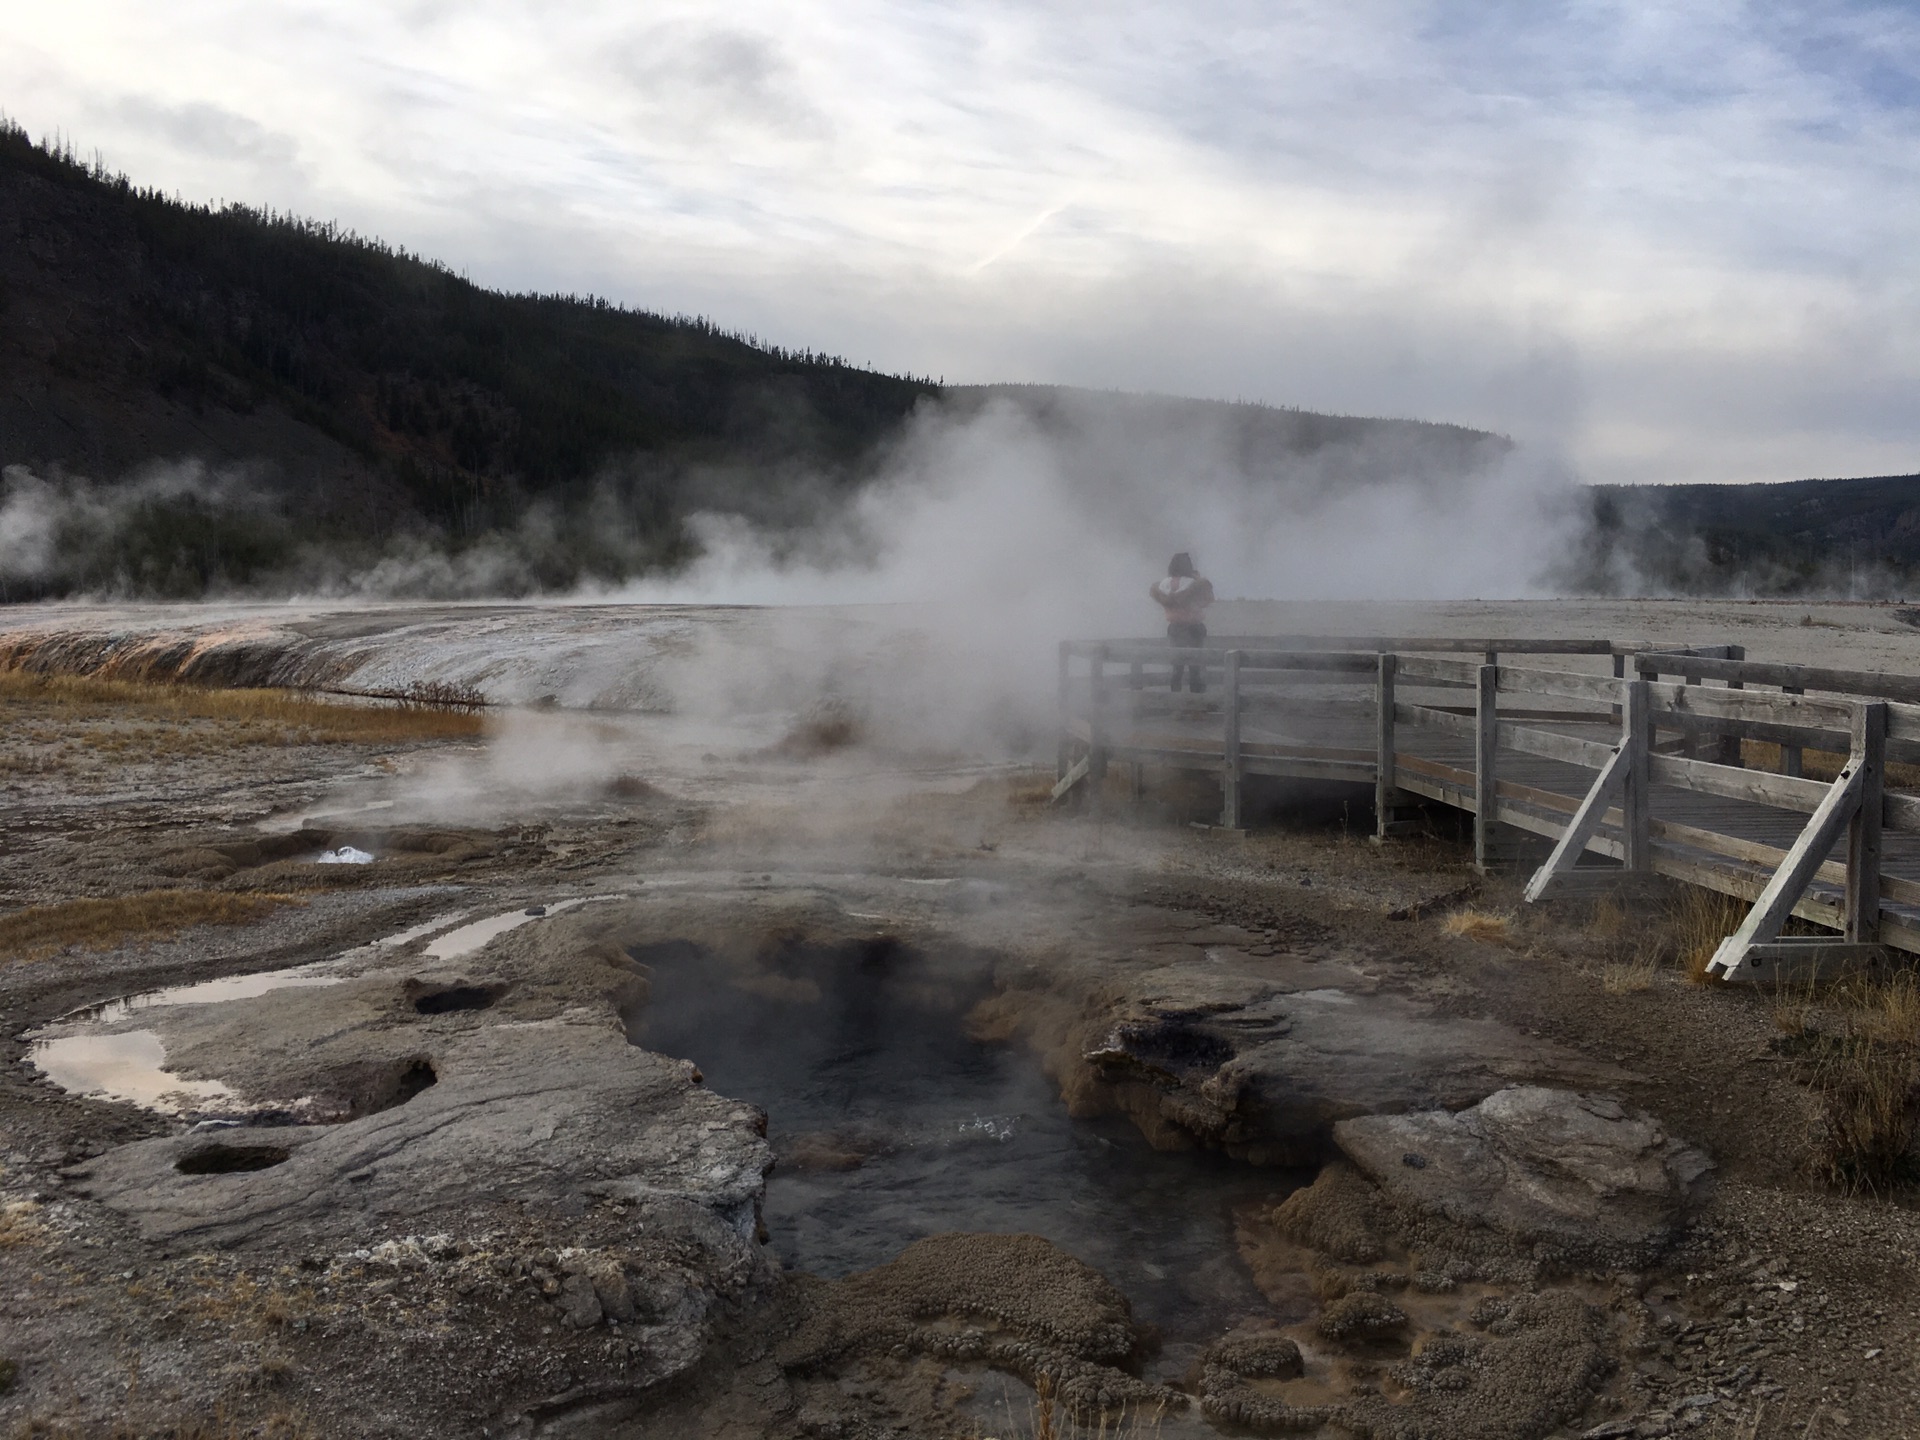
{"x":1181,"y":564}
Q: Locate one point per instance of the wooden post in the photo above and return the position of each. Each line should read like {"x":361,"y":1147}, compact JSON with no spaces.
{"x":1792,"y":757}
{"x":1619,"y":673}
{"x":1637,"y":811}
{"x":1863,"y":832}
{"x":1486,"y":742}
{"x":1729,"y":747}
{"x":1065,"y":757}
{"x":1097,"y":727}
{"x":1383,"y":748}
{"x":1230,"y":749}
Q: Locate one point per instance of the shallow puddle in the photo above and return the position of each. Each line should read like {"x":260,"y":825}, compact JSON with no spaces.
{"x":129,"y":1066}
{"x":891,"y":1125}
{"x":207,"y":992}
{"x":469,"y":938}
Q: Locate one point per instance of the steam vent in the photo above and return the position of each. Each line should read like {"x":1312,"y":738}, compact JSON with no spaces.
{"x":661,"y":1021}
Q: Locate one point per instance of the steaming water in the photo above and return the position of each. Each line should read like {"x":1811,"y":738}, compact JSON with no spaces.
{"x":861,"y":1060}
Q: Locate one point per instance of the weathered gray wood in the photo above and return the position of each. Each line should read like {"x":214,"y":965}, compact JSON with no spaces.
{"x":1863,"y":832}
{"x":1706,"y":778}
{"x":1064,"y":755}
{"x":1551,"y":745}
{"x":1729,"y":742}
{"x":1637,"y":798}
{"x":1486,"y":745}
{"x":1792,"y":757}
{"x":1386,"y":669}
{"x":1777,"y":901}
{"x":1682,"y":701}
{"x":1097,"y":729}
{"x":1874,"y":684}
{"x":1230,"y":771}
{"x":1801,"y":960}
{"x":1450,"y":672}
{"x":1572,"y":844}
{"x":1900,"y":812}
{"x":1561,"y":684}
{"x":1075,"y":773}
{"x":1425,"y":715}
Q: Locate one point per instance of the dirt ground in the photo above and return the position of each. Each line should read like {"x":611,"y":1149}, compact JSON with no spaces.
{"x":1787,"y":1303}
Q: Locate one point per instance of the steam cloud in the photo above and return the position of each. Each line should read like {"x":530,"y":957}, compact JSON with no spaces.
{"x":1031,"y":515}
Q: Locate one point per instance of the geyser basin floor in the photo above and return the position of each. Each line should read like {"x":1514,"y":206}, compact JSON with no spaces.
{"x":891,"y":1124}
{"x":1791,"y":1304}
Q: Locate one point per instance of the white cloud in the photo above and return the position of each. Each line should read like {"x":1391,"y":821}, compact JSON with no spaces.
{"x":1664,"y":242}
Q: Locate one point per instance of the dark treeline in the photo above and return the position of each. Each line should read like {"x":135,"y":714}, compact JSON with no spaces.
{"x":384,"y":392}
{"x":1851,"y":538}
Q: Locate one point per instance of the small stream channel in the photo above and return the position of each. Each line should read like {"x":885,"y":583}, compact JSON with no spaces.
{"x":891,"y":1124}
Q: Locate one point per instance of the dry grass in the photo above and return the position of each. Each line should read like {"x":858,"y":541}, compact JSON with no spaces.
{"x":1870,"y":1102}
{"x":1860,"y":1037}
{"x":1822,"y":765}
{"x":1483,"y":925}
{"x":1629,"y":977}
{"x":19,"y":1224}
{"x":271,"y":716}
{"x":220,"y":1425}
{"x":1049,"y":1419}
{"x":1696,"y":922}
{"x":41,"y":930}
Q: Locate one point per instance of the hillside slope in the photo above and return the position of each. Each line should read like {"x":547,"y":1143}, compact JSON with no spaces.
{"x":1839,"y":537}
{"x":373,"y":391}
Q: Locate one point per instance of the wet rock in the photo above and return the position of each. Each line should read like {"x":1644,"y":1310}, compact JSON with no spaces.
{"x":1046,"y":1313}
{"x":1362,"y":1315}
{"x":529,"y":1113}
{"x":1339,"y":1215}
{"x":579,"y":1304}
{"x":1579,"y":1175}
{"x":1263,"y":1354}
{"x":1263,"y":1063}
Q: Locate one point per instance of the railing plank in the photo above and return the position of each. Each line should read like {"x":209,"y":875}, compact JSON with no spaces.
{"x":1703,"y":777}
{"x":1552,"y":745}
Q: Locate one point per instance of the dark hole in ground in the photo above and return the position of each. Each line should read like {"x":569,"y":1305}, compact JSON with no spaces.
{"x":218,"y":1159}
{"x":372,"y":1088}
{"x":415,"y":1078}
{"x":891,"y":1124}
{"x":447,"y":999}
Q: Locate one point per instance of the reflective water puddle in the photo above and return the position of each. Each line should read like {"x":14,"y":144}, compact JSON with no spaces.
{"x":129,"y":1066}
{"x":469,"y":938}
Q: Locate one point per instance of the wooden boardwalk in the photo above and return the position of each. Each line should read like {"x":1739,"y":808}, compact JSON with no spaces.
{"x":1631,"y":761}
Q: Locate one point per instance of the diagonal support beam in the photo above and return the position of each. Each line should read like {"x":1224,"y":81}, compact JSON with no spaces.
{"x":1790,"y":881}
{"x":1586,"y":821}
{"x":1075,"y":774}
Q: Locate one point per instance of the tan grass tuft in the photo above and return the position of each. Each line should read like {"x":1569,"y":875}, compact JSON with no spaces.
{"x":18,"y":1223}
{"x":273,"y":716}
{"x":1869,"y":1091}
{"x":41,"y":930}
{"x":1628,"y":977}
{"x":1698,"y":920}
{"x":1475,"y":924}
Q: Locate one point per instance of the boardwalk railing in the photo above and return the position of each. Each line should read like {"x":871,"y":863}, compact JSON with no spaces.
{"x":1630,"y":767}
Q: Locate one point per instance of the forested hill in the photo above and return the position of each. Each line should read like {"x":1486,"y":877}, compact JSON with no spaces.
{"x":1838,"y":537}
{"x":382,"y":389}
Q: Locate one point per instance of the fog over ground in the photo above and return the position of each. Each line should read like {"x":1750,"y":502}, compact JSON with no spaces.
{"x":1649,"y":242}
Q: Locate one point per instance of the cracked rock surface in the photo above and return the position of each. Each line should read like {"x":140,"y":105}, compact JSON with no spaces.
{"x":1579,"y":1173}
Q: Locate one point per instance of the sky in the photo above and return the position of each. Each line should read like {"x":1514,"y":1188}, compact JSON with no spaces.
{"x":1650,"y":242}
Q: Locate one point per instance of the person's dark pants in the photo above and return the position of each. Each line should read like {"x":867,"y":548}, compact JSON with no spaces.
{"x":1183,"y":634}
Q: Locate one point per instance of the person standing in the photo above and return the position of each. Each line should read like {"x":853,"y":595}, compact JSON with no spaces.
{"x":1185,"y":595}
